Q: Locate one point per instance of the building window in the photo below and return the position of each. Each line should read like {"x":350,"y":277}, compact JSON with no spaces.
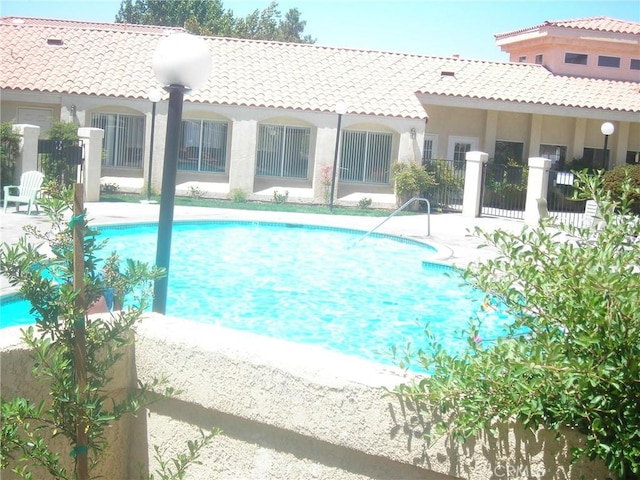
{"x":509,"y":153}
{"x":556,"y":153}
{"x":633,"y":158}
{"x":605,"y":61}
{"x":522,"y":59}
{"x":123,"y":139}
{"x":430,"y":147}
{"x":459,"y":146}
{"x":202,"y":146}
{"x":592,"y":158}
{"x":575,"y":58}
{"x":635,"y":64}
{"x":539,"y":59}
{"x":283,"y":151}
{"x":365,"y":156}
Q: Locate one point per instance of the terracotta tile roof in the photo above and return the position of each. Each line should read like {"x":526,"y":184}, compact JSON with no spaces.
{"x":115,"y":60}
{"x":598,"y":24}
{"x":528,"y":84}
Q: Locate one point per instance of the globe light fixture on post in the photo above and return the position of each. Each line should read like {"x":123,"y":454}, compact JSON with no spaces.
{"x":154,"y":97}
{"x":340,"y":109}
{"x":181,"y":63}
{"x":607,"y":129}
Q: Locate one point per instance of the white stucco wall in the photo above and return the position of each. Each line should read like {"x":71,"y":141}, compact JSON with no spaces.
{"x":291,"y":411}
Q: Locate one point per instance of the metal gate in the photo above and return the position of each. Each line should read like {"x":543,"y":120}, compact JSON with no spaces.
{"x":60,"y":159}
{"x":504,"y":190}
{"x":560,"y":204}
{"x":448,"y":192}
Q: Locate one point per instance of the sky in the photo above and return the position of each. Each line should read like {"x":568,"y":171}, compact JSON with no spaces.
{"x":423,"y":27}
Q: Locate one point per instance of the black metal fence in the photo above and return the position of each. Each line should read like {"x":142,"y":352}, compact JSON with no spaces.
{"x":59,"y":159}
{"x":504,"y":190}
{"x":560,"y":203}
{"x":448,"y":192}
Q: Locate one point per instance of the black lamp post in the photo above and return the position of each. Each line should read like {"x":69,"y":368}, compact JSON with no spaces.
{"x":341,"y":109}
{"x":154,"y":97}
{"x":182,"y":62}
{"x":607,"y":129}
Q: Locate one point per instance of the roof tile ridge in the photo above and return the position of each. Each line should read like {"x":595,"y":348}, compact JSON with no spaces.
{"x":594,"y":79}
{"x":85,"y":24}
{"x":321,"y":46}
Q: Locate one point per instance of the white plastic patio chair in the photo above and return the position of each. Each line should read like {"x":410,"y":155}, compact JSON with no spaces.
{"x":26,"y":192}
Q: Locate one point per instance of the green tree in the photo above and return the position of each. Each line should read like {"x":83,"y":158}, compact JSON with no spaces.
{"x":74,"y":356}
{"x":209,"y":17}
{"x":571,"y":358}
{"x":9,"y":149}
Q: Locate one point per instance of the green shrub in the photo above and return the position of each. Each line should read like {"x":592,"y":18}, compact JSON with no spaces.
{"x":196,"y":192}
{"x":280,"y":197}
{"x":571,"y":357}
{"x":9,"y":149}
{"x":109,"y":188}
{"x":238,"y":195}
{"x":410,"y":179}
{"x":615,"y":178}
{"x":364,"y":203}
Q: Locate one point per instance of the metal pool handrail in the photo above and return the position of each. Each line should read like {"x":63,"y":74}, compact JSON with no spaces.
{"x":406,"y":204}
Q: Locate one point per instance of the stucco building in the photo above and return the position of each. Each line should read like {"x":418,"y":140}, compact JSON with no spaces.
{"x":266,"y":119}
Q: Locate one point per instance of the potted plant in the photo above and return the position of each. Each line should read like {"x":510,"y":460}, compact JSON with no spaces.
{"x":410,"y":179}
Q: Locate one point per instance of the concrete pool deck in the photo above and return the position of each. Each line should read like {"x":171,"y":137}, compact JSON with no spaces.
{"x":449,"y":231}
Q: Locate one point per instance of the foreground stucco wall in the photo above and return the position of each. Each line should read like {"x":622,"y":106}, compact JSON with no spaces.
{"x":17,"y":380}
{"x":290,"y":411}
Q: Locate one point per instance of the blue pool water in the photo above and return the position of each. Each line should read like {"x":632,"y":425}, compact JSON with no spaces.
{"x":305,"y":284}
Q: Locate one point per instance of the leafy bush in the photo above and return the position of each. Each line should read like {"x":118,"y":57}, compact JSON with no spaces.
{"x":615,"y":178}
{"x":410,"y":179}
{"x":9,"y":149}
{"x":571,"y":356}
{"x":238,"y":195}
{"x":196,"y":192}
{"x":280,"y":197}
{"x":109,"y":188}
{"x":72,"y":355}
{"x":364,"y":203}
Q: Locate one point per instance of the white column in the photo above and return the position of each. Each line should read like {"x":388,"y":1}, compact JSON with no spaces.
{"x":243,"y":152}
{"x":535,"y":135}
{"x":471,"y":201}
{"x":28,"y":154}
{"x":323,"y":160}
{"x":92,"y":139}
{"x":537,"y":186}
{"x":490,"y":133}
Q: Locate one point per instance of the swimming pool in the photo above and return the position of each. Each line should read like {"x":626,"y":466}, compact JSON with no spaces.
{"x":307,"y":284}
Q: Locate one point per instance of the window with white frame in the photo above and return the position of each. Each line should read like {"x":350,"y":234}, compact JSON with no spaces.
{"x":123,"y":144}
{"x":459,"y":146}
{"x":556,"y":153}
{"x":430,"y":147}
{"x":365,"y":156}
{"x":283,"y":151}
{"x":203,"y":146}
